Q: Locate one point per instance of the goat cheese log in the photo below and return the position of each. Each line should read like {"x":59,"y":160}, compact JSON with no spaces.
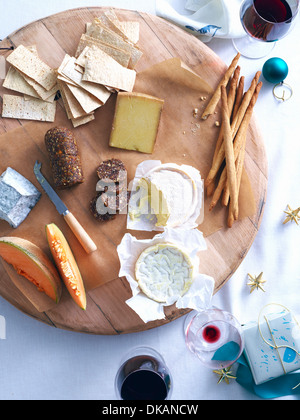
{"x":64,"y":157}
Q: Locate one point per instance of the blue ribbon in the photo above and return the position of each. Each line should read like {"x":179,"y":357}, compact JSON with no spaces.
{"x":279,"y":387}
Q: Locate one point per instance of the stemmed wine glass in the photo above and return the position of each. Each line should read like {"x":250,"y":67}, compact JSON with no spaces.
{"x":214,"y":336}
{"x":265,"y":22}
{"x":143,"y":375}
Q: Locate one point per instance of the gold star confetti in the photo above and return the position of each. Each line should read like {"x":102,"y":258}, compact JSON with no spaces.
{"x":292,"y":215}
{"x":225,"y":375}
{"x":256,"y":282}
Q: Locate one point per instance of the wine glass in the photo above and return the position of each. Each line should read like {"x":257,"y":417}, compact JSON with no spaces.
{"x":143,"y":375}
{"x":265,"y":22}
{"x":215,"y":337}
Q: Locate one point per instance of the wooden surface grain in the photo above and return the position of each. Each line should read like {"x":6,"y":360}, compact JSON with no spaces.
{"x":107,"y":313}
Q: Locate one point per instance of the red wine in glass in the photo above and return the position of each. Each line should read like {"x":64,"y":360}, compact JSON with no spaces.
{"x":267,"y":20}
{"x":211,"y":334}
{"x":143,"y":384}
{"x":214,"y":336}
{"x":143,"y":376}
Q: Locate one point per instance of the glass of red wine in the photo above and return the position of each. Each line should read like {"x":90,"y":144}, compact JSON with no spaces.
{"x":143,"y":375}
{"x":215,"y":337}
{"x":265,"y":22}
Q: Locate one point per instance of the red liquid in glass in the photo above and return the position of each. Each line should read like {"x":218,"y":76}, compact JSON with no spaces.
{"x":268,"y":20}
{"x":211,"y":334}
{"x":144,"y":385}
{"x":273,"y":10}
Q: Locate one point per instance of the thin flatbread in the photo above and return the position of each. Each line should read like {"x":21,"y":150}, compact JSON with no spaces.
{"x":109,"y":37}
{"x":74,"y":106}
{"x":32,"y":66}
{"x":88,"y":102}
{"x":82,"y":120}
{"x":71,"y":73}
{"x":15,"y":81}
{"x":34,"y":109}
{"x":121,"y":56}
{"x":105,"y":70}
{"x":129,"y":29}
{"x":106,"y":21}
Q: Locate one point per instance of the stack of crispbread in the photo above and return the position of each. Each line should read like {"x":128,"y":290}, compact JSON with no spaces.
{"x":103,"y":63}
{"x":32,"y":77}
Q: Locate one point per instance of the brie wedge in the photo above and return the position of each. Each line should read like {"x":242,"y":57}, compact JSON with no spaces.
{"x":172,"y":195}
{"x":164,"y":272}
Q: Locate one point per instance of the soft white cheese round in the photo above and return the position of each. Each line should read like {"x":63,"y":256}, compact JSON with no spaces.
{"x":164,"y":271}
{"x":177,"y":192}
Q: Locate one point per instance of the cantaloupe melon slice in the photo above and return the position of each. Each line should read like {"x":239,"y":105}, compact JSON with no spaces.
{"x":66,"y":264}
{"x":31,"y":262}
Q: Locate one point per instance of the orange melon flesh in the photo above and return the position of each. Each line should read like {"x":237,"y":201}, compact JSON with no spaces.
{"x":66,"y":264}
{"x":31,"y":262}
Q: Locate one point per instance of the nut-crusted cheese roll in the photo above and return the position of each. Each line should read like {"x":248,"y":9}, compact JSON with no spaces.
{"x":64,"y":157}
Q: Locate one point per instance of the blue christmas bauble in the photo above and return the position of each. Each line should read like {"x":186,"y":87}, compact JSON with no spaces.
{"x":275,"y":70}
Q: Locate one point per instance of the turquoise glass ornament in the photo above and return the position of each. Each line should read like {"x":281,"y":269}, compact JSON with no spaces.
{"x":275,"y":70}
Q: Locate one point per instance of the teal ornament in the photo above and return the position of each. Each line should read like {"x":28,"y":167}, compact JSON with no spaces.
{"x":275,"y":70}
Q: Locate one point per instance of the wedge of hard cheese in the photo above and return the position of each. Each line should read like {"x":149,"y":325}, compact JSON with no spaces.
{"x":136,"y":121}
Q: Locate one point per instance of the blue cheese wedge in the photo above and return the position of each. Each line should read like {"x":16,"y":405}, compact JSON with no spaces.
{"x":164,"y":271}
{"x":17,"y":197}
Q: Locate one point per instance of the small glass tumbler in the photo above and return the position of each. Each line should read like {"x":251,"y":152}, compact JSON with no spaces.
{"x":215,"y":337}
{"x":143,"y":375}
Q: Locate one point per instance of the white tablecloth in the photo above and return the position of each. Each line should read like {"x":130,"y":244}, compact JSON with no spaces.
{"x":41,"y":362}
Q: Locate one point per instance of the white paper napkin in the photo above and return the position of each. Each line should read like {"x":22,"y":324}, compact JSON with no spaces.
{"x":204,"y":18}
{"x":199,"y":295}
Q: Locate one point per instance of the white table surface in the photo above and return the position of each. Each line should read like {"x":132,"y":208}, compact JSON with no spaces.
{"x":41,"y":362}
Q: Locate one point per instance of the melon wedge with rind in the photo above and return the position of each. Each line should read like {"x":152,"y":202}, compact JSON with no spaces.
{"x":31,"y":262}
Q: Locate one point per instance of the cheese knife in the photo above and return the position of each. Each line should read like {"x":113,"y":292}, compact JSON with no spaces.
{"x":82,"y":236}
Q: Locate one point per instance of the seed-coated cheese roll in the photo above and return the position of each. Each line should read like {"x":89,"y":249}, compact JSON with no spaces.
{"x":64,"y":157}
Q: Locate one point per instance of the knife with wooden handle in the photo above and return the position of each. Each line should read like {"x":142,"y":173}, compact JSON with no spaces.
{"x":82,"y":236}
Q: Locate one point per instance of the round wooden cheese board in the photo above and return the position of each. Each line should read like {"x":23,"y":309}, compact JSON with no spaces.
{"x":107,"y":312}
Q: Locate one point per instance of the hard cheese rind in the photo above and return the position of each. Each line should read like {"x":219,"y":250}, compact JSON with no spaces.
{"x":17,"y":197}
{"x":136,"y":122}
{"x":163,"y":271}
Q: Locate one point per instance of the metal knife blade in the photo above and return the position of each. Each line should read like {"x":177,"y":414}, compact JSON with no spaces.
{"x":60,"y":206}
{"x":62,"y":209}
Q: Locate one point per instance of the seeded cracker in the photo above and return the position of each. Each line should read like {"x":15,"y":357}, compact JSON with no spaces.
{"x":121,"y":56}
{"x":32,"y":66}
{"x":109,"y":37}
{"x":104,"y":70}
{"x":32,"y":109}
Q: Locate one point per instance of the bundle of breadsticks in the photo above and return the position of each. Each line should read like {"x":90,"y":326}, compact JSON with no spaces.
{"x":225,"y":174}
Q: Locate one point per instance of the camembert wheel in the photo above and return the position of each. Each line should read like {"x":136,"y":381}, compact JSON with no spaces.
{"x":164,"y":271}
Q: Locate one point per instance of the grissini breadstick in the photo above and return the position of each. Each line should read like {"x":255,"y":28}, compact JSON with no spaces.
{"x":218,"y":191}
{"x":211,"y":106}
{"x":244,"y":104}
{"x":243,"y":133}
{"x":229,"y":155}
{"x":239,"y":96}
{"x":217,"y":162}
{"x":210,"y":189}
{"x":230,"y":98}
{"x":240,"y":140}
